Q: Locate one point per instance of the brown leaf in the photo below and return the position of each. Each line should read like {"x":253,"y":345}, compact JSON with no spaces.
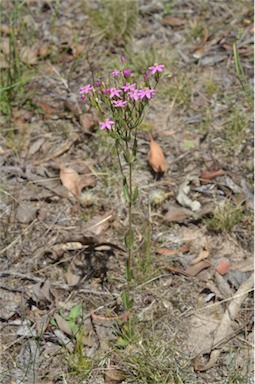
{"x":26,"y":213}
{"x":63,"y":324}
{"x":99,"y":223}
{"x":156,"y":157}
{"x":71,"y":180}
{"x":43,"y":50}
{"x":28,"y":55}
{"x":209,"y":175}
{"x":73,"y":275}
{"x":202,"y":255}
{"x":87,"y":122}
{"x":177,"y":214}
{"x":168,"y":252}
{"x":113,"y":375}
{"x":195,"y":269}
{"x":173,"y":21}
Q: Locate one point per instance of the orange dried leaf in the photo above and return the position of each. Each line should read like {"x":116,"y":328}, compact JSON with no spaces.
{"x":223,"y":266}
{"x":169,"y":252}
{"x":208,"y":175}
{"x":156,"y":157}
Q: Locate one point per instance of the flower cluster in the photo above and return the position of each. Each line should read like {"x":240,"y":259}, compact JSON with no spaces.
{"x":125,"y":101}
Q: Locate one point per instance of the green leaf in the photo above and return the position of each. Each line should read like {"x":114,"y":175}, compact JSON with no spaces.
{"x":128,"y":303}
{"x":129,"y":240}
{"x":124,"y":298}
{"x":129,"y":274}
{"x":135,"y":194}
{"x":75,"y":312}
{"x":135,"y":148}
{"x":74,"y":327}
{"x":127,"y":158}
{"x":125,"y":190}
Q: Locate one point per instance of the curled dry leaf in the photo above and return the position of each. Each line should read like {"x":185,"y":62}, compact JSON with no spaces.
{"x":156,"y":157}
{"x":184,"y":200}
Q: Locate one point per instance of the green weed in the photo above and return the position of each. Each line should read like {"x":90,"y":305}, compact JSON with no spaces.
{"x":115,"y":20}
{"x":144,"y":263}
{"x":225,"y":216}
{"x":248,"y":91}
{"x":235,"y":128}
{"x":14,"y":76}
{"x":150,"y":362}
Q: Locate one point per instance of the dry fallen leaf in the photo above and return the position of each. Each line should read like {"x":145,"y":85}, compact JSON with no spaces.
{"x":87,"y":122}
{"x":223,"y":266}
{"x":113,"y":375}
{"x":70,"y":179}
{"x":195,"y":269}
{"x":156,"y":157}
{"x":168,"y":252}
{"x":209,"y":175}
{"x":29,"y":55}
{"x":63,"y":324}
{"x":173,"y":21}
{"x":184,"y":200}
{"x":202,"y":255}
{"x":177,"y":214}
{"x":99,"y":223}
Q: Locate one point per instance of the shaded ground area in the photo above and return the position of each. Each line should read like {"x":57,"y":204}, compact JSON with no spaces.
{"x":62,"y":257}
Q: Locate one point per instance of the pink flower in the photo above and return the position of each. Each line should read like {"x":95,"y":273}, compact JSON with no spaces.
{"x":107,"y":123}
{"x":105,"y":91}
{"x":86,"y":89}
{"x":119,"y":103}
{"x":115,"y":92}
{"x":129,"y":87}
{"x":156,"y":68}
{"x":146,"y":75}
{"x":134,"y":94}
{"x":147,"y":92}
{"x":98,"y":83}
{"x":127,"y":72}
{"x":115,"y":73}
{"x":123,"y":59}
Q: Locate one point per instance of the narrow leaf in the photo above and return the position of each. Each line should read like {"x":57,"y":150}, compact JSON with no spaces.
{"x":135,"y":194}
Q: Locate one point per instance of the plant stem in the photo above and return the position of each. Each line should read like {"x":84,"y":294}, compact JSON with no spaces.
{"x":130,"y":249}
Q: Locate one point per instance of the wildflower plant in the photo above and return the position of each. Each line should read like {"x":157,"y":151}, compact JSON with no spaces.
{"x":121,"y":102}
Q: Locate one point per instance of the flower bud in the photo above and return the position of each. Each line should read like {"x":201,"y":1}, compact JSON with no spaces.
{"x":127,"y":72}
